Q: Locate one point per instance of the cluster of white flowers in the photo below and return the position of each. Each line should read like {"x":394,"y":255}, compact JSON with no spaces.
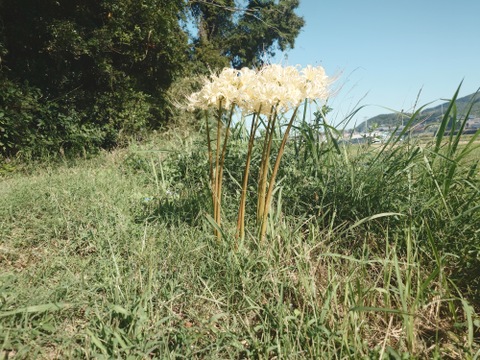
{"x":260,"y":91}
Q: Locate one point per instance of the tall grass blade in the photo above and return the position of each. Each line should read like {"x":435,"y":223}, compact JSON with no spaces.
{"x":37,"y":309}
{"x":370,"y":218}
{"x":469,"y":312}
{"x":445,"y":120}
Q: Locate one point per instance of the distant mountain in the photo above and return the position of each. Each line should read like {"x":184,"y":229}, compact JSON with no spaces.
{"x":428,"y":116}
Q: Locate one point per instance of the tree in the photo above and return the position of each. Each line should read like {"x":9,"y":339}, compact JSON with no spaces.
{"x":243,"y":36}
{"x":79,"y":73}
{"x":103,"y":64}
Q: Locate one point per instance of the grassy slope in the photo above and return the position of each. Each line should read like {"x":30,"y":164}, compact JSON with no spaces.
{"x":92,"y":266}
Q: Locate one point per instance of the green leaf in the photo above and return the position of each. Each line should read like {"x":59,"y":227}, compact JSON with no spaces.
{"x":37,"y":309}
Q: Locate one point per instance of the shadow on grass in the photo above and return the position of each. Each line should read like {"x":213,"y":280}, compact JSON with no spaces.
{"x":183,"y":210}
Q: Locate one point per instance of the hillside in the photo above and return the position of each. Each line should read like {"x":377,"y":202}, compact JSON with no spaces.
{"x":427,"y":116}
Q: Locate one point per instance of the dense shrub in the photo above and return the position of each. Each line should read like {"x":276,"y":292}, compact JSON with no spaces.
{"x":79,"y":75}
{"x":34,"y":126}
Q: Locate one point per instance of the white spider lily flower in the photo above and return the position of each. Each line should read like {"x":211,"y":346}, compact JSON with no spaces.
{"x":316,"y":83}
{"x":260,"y":91}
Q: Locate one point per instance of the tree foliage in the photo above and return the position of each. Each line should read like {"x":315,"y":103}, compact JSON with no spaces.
{"x":81,"y":74}
{"x":242,"y":33}
{"x":102,"y":65}
{"x":100,"y":45}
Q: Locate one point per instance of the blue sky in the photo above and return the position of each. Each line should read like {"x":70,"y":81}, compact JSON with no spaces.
{"x":385,"y":51}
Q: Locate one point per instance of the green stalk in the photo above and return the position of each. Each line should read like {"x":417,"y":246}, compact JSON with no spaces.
{"x":264,"y":164}
{"x":243,"y":198}
{"x":216,"y":210}
{"x":221,"y":165}
{"x":261,"y":174}
{"x":210,"y":160}
{"x":271,"y":184}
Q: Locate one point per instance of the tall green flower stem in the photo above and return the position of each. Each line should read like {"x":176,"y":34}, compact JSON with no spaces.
{"x":216,"y":172}
{"x":271,"y":184}
{"x":246,"y":172}
{"x":210,"y":160}
{"x":265,"y":164}
{"x":220,"y":169}
{"x":216,"y":198}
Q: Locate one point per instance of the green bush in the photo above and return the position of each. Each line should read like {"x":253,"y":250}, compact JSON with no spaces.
{"x":34,"y":127}
{"x":76,"y":76}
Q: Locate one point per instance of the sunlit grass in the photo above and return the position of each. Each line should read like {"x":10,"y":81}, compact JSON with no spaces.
{"x":372,"y":252}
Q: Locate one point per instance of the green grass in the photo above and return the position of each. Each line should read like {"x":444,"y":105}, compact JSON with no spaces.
{"x":371,"y":252}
